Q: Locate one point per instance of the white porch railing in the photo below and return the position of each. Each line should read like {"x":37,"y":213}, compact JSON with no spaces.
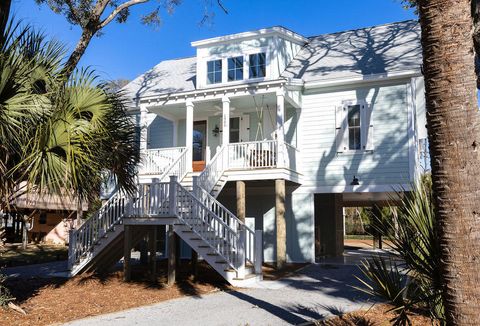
{"x":156,"y":161}
{"x":178,"y":168}
{"x":152,"y":200}
{"x":253,"y":155}
{"x":266,"y":154}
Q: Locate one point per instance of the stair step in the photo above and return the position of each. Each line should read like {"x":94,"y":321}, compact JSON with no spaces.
{"x":247,"y":277}
{"x":212,"y":254}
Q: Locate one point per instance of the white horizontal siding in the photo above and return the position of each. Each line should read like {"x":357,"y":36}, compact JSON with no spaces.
{"x":387,"y":164}
{"x":160,"y":133}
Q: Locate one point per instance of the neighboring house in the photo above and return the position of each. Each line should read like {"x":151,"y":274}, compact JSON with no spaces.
{"x":51,"y":217}
{"x":285,"y":130}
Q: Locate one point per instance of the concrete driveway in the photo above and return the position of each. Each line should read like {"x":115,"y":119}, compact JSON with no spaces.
{"x":316,"y":292}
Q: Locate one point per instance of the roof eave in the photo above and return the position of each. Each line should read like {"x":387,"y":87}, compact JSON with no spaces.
{"x":281,"y":31}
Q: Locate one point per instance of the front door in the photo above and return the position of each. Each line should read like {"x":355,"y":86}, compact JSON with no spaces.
{"x":199,"y":145}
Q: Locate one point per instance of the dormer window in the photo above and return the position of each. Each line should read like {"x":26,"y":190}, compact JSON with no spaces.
{"x":214,"y":72}
{"x":235,"y":68}
{"x":257,"y":65}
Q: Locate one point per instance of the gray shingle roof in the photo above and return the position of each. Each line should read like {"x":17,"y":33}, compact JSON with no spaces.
{"x":374,"y":50}
{"x":169,"y":76}
{"x":380,"y":49}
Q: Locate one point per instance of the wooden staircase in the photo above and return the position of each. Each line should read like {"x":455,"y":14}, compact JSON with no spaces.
{"x":216,"y":234}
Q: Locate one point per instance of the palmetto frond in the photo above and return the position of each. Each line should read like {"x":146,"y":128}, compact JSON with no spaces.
{"x":415,"y":244}
{"x":58,"y":135}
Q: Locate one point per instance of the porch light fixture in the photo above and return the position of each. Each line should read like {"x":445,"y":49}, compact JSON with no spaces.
{"x":354,"y":181}
{"x":216,"y":131}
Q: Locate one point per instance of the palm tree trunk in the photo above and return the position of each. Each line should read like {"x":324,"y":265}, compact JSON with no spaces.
{"x":453,"y":132}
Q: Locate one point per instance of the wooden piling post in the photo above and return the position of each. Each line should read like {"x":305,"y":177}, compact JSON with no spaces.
{"x":195,"y":265}
{"x":171,"y":256}
{"x":127,"y":252}
{"x":153,"y":252}
{"x":241,"y":200}
{"x":281,"y":236}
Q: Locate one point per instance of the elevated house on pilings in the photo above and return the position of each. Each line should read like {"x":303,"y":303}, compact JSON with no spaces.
{"x":253,"y":146}
{"x":49,"y":217}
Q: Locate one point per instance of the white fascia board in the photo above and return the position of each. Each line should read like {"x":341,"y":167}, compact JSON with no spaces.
{"x":216,"y":91}
{"x":362,"y":79}
{"x":282,"y":32}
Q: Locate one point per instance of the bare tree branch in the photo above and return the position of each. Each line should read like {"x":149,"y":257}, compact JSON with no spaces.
{"x":220,"y":4}
{"x":118,"y":9}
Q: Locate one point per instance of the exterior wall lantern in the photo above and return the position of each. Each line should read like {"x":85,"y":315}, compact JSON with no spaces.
{"x":354,"y":181}
{"x":216,"y":131}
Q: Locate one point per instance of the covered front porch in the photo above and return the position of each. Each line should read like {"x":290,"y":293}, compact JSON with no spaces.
{"x":235,"y":130}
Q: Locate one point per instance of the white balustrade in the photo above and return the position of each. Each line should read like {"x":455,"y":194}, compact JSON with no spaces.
{"x":179,"y":167}
{"x":253,"y":155}
{"x":156,"y":161}
{"x":83,"y":239}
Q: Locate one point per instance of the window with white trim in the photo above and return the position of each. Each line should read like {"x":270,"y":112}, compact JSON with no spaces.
{"x":353,"y":122}
{"x":214,"y":71}
{"x":354,"y":127}
{"x":257,"y":64}
{"x":235,"y":68}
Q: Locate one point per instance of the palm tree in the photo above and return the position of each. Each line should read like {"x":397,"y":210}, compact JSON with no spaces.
{"x":58,"y":137}
{"x":453,"y":132}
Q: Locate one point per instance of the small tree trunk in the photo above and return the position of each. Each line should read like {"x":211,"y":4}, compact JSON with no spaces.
{"x":454,"y":139}
{"x":4,"y":14}
{"x":72,"y":62}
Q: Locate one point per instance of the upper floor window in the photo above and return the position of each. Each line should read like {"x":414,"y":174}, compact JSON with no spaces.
{"x":354,"y":127}
{"x":353,"y":120}
{"x":257,"y":65}
{"x":214,"y":72}
{"x":235,"y":68}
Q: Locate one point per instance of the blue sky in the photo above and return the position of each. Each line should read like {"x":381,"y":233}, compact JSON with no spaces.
{"x":128,"y":50}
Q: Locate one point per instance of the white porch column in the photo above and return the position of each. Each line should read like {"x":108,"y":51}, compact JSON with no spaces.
{"x":225,"y":120}
{"x":189,"y":133}
{"x":143,"y":127}
{"x":280,"y":124}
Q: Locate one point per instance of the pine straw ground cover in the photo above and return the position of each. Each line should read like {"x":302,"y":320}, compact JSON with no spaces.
{"x":55,"y":300}
{"x":376,"y":316}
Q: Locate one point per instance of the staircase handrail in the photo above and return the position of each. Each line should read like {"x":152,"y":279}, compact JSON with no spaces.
{"x":204,"y":179}
{"x":205,"y":198}
{"x":228,"y":234}
{"x":153,"y":158}
{"x":83,"y":239}
{"x":180,"y":174}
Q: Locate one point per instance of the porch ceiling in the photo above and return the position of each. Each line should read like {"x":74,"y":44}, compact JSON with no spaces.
{"x":206,"y":108}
